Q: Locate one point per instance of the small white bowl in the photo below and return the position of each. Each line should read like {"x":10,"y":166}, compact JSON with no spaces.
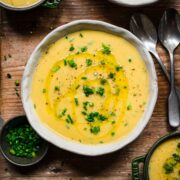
{"x":133,"y":2}
{"x":64,"y":143}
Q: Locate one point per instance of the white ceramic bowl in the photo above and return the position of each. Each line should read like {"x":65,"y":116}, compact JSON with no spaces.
{"x":59,"y":141}
{"x":133,"y":2}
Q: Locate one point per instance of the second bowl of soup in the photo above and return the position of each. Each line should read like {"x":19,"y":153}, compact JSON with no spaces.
{"x":91,"y":86}
{"x":162,"y":161}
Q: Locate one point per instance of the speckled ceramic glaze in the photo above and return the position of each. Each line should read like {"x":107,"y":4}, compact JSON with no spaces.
{"x":60,"y":141}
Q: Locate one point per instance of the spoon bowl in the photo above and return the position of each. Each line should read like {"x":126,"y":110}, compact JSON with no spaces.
{"x":169,"y":29}
{"x":4,"y":145}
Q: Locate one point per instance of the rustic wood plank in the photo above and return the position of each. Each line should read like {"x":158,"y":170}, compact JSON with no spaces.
{"x":20,"y":33}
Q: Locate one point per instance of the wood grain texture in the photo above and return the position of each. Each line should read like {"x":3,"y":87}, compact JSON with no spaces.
{"x":19,"y":35}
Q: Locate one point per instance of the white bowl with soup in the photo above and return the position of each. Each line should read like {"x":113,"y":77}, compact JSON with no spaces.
{"x":133,"y":2}
{"x":23,"y":5}
{"x":89,"y":87}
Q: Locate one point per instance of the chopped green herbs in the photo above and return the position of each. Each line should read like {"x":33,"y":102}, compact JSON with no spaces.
{"x":100,"y":91}
{"x":111,"y":75}
{"x":63,"y":113}
{"x":77,"y":87}
{"x":84,"y":78}
{"x":102,"y":62}
{"x":55,"y":68}
{"x":88,"y":62}
{"x":69,"y":119}
{"x":81,"y":35}
{"x":65,"y":62}
{"x":130,"y":60}
{"x":17,"y":83}
{"x":44,"y":91}
{"x":172,"y":162}
{"x":95,"y":115}
{"x":71,"y":48}
{"x":57,"y":88}
{"x":129,"y":107}
{"x":71,"y":63}
{"x":106,"y":49}
{"x":95,"y":130}
{"x":118,"y":68}
{"x":103,"y":81}
{"x":84,"y":49}
{"x":88,"y":91}
{"x":76,"y":101}
{"x":178,"y":145}
{"x":113,"y":133}
{"x":168,"y":168}
{"x":23,"y":141}
{"x":102,"y":117}
{"x":86,"y":104}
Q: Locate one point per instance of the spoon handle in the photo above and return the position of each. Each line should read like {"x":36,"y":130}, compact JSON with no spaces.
{"x":173,"y":104}
{"x":161,"y":64}
{"x":155,"y":54}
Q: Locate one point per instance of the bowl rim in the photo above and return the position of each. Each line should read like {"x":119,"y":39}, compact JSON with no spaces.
{"x":62,"y":142}
{"x":153,"y":148}
{"x":130,"y":4}
{"x":24,"y":8}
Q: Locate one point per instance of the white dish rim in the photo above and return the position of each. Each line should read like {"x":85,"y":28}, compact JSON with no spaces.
{"x":125,"y":3}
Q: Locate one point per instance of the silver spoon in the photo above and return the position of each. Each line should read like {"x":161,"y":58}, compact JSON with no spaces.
{"x":169,"y":35}
{"x":144,"y":29}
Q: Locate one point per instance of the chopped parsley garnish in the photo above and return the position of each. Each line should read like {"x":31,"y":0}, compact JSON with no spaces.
{"x":129,"y":107}
{"x":65,"y":62}
{"x":102,"y":62}
{"x":176,"y":157}
{"x":118,"y":68}
{"x":69,"y":119}
{"x":56,"y":88}
{"x":88,"y":62}
{"x":63,"y":113}
{"x":81,"y":35}
{"x":55,"y":68}
{"x":103,"y":81}
{"x":111,"y":75}
{"x":76,"y":101}
{"x":91,"y":117}
{"x":87,"y":90}
{"x":113,"y":133}
{"x":178,"y":145}
{"x":84,"y":49}
{"x":130,"y":60}
{"x":106,"y":49}
{"x":100,"y":91}
{"x":17,"y":83}
{"x":44,"y":91}
{"x":77,"y":87}
{"x":86,"y":104}
{"x":95,"y":130}
{"x":102,"y":117}
{"x":71,"y":48}
{"x":71,"y":63}
{"x":84,"y":78}
{"x":168,"y":168}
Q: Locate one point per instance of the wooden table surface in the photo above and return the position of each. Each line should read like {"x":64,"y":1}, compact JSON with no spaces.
{"x":19,"y":35}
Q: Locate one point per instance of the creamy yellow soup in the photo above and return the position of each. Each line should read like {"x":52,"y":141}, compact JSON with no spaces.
{"x":91,"y":87}
{"x":19,"y":3}
{"x":165,"y":161}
